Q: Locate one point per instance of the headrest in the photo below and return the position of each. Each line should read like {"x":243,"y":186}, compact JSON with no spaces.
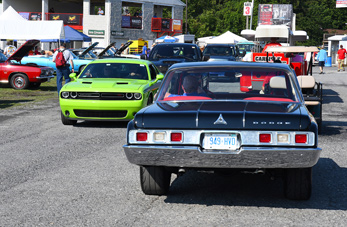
{"x":306,"y":81}
{"x":278,"y":82}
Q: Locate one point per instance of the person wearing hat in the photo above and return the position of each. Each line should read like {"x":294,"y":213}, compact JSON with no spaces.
{"x":341,"y":54}
{"x":322,"y":58}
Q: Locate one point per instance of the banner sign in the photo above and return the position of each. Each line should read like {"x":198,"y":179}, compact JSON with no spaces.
{"x":176,"y":24}
{"x":341,"y":3}
{"x":261,"y":57}
{"x":136,"y":22}
{"x":96,"y":32}
{"x":247,"y":8}
{"x":165,"y":25}
{"x":275,"y":14}
{"x":68,"y":19}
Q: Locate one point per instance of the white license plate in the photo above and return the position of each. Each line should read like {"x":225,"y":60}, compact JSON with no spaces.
{"x":220,"y":141}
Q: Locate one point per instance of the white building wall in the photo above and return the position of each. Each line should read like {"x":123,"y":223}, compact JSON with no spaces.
{"x":96,"y":22}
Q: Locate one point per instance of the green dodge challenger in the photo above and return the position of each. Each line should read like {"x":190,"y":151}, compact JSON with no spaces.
{"x":110,"y":89}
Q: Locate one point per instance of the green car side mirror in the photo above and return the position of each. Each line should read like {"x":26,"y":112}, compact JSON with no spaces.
{"x":160,"y":76}
{"x":73,"y":76}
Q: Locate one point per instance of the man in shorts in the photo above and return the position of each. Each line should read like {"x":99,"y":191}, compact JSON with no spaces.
{"x":322,"y":58}
{"x":341,"y":54}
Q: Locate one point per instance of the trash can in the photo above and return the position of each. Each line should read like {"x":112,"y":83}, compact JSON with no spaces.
{"x":328,"y":64}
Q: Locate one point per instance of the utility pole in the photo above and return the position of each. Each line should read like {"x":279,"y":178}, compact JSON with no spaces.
{"x":252,"y":15}
{"x":186,"y":16}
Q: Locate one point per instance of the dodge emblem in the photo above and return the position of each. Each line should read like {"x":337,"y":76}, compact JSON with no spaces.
{"x":220,"y":121}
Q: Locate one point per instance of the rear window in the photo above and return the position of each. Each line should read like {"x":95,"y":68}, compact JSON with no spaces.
{"x":219,"y":50}
{"x":174,"y":51}
{"x":228,"y":83}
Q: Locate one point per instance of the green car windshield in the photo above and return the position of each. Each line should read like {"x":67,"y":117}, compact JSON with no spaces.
{"x":115,"y":70}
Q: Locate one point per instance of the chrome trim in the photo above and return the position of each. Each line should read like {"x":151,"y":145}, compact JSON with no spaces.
{"x":45,"y":77}
{"x":247,"y":138}
{"x":246,"y":157}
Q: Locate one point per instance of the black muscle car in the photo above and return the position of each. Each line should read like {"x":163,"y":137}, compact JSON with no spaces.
{"x":225,"y":115}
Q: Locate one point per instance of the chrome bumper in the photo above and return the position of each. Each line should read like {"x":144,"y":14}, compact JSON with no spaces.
{"x":45,"y":77}
{"x":246,"y":157}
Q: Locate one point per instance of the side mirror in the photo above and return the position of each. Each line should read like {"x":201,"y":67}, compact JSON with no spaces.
{"x":143,"y":56}
{"x":73,"y":76}
{"x":160,"y":76}
{"x":205,"y":57}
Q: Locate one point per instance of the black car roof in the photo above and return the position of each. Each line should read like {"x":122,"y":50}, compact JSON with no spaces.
{"x":231,"y":63}
{"x":220,"y":44}
{"x":176,"y":44}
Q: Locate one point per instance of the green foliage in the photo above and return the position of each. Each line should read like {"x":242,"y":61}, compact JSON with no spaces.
{"x":214,"y":17}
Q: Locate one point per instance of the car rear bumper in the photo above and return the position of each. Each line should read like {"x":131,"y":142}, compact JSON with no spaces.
{"x":246,"y":157}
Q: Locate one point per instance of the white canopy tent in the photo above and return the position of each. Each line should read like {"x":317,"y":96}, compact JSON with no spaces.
{"x":227,"y":37}
{"x":14,"y":26}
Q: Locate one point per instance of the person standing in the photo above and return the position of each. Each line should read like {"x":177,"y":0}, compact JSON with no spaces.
{"x":322,"y":59}
{"x":341,"y":54}
{"x":145,"y":50}
{"x":9,"y":49}
{"x":100,"y":12}
{"x":63,"y":60}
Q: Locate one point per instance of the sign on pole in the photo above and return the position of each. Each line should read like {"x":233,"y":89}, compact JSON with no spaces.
{"x":341,"y":3}
{"x":247,"y":8}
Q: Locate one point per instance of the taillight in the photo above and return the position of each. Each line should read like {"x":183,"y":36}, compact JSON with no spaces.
{"x":141,"y":136}
{"x":176,"y":137}
{"x":301,"y":138}
{"x":264,"y":138}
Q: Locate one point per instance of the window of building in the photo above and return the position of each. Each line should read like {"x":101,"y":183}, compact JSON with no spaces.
{"x":131,"y":15}
{"x":97,"y":7}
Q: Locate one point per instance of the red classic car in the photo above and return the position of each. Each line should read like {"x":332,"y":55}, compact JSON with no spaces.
{"x":21,"y":76}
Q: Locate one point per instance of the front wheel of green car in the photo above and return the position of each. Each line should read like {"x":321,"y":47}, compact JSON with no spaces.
{"x":66,"y":121}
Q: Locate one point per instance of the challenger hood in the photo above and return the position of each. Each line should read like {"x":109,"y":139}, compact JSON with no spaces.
{"x":222,"y":115}
{"x":107,"y":85}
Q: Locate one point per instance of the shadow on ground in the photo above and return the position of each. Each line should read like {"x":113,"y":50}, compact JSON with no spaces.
{"x":329,"y":189}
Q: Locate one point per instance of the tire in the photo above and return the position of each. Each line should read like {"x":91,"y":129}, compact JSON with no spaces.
{"x":35,"y":85}
{"x":298,"y":183}
{"x":80,"y":69}
{"x":155,"y":180}
{"x":150,"y":100}
{"x":66,"y":121}
{"x":19,"y":81}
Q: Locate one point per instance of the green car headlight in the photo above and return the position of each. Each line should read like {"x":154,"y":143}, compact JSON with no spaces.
{"x":137,"y":95}
{"x":65,"y":94}
{"x":73,"y":95}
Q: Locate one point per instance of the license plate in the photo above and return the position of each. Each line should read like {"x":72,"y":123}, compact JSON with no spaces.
{"x":220,"y":141}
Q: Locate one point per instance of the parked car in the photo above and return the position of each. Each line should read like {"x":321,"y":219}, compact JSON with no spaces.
{"x":80,"y":61}
{"x":200,"y":124}
{"x":164,"y":55}
{"x":21,"y":76}
{"x":222,"y":52}
{"x":109,"y":89}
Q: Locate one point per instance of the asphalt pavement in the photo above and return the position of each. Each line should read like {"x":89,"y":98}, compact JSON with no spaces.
{"x":56,"y":175}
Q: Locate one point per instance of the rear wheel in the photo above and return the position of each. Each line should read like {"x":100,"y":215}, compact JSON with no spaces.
{"x":298,"y":183}
{"x":155,"y":180}
{"x":19,"y":81}
{"x":66,"y":121}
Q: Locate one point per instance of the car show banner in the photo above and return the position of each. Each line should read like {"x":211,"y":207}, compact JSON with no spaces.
{"x":275,"y":14}
{"x":69,"y":19}
{"x":341,"y":3}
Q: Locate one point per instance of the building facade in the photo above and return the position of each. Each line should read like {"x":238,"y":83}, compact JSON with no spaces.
{"x":107,"y":21}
